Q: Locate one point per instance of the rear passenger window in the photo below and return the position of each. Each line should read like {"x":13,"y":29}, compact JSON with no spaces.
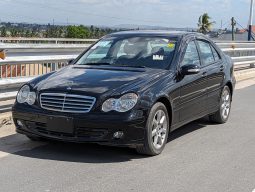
{"x":191,"y":55}
{"x":215,"y":54}
{"x":206,"y":52}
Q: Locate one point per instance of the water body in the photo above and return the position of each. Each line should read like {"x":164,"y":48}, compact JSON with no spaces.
{"x":228,"y":37}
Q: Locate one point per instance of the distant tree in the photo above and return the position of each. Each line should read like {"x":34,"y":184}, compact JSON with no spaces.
{"x":14,"y":32}
{"x":71,"y":32}
{"x":28,"y":33}
{"x":97,"y":32}
{"x":77,"y":32}
{"x":21,"y":32}
{"x":3,"y":32}
{"x":204,"y":23}
{"x":50,"y":31}
{"x":34,"y":32}
{"x":92,"y":31}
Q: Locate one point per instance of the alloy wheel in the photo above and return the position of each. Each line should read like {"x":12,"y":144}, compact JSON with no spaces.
{"x":226,"y":104}
{"x":159,"y":129}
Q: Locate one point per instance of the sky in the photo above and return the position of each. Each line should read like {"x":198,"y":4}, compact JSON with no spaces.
{"x":167,"y":13}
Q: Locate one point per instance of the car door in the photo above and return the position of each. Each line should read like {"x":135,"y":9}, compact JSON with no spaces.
{"x":193,"y":87}
{"x":213,"y":64}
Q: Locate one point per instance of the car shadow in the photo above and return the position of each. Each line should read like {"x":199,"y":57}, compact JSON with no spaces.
{"x":191,"y":127}
{"x":83,"y":153}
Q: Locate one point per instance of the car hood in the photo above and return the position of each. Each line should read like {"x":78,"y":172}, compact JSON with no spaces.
{"x":98,"y":80}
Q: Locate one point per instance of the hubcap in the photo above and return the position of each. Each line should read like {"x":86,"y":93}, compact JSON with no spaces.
{"x":159,"y":129}
{"x":226,"y":104}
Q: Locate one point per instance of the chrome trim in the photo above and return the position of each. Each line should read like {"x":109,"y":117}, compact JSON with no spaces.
{"x":64,"y":102}
{"x":194,"y":70}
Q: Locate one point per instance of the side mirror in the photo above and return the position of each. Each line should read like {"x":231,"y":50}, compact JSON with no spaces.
{"x":190,"y":69}
{"x":70,"y":61}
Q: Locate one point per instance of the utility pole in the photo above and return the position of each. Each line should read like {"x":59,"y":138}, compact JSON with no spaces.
{"x":250,"y":21}
{"x":233,"y":24}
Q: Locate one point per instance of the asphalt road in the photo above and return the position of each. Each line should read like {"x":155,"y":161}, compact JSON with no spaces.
{"x":200,"y":157}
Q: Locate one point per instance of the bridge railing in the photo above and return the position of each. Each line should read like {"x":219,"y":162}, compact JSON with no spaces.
{"x":24,"y":40}
{"x":32,"y":66}
{"x":25,"y":60}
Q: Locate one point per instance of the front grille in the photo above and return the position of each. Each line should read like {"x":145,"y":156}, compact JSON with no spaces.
{"x":67,"y":102}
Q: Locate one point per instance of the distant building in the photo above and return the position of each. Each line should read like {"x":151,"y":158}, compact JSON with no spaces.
{"x":228,"y":37}
{"x":245,"y":30}
{"x":240,"y":35}
{"x":241,"y":31}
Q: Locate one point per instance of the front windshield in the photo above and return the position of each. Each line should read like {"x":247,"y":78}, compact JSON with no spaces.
{"x":151,"y":52}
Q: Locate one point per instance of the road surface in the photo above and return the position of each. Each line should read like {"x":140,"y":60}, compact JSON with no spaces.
{"x":200,"y":157}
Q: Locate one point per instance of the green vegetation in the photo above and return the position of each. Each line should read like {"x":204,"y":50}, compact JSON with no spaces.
{"x":204,"y":23}
{"x":52,"y":31}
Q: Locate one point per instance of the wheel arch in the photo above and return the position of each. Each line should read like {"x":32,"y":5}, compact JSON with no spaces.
{"x":169,"y":108}
{"x":229,"y":84}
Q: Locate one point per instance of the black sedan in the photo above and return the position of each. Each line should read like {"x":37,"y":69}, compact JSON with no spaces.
{"x":129,"y":89}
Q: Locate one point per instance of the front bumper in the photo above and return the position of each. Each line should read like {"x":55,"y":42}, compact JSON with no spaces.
{"x":91,"y":127}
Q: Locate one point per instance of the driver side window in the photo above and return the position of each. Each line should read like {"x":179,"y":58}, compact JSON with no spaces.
{"x":191,"y":55}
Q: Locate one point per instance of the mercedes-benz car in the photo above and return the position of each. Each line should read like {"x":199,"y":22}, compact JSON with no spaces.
{"x":129,"y":89}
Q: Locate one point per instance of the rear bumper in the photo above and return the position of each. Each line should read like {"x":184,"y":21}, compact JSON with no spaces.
{"x":90,"y":128}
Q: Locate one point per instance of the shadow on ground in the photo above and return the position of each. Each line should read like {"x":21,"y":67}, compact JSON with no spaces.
{"x":84,"y":153}
{"x":191,"y":127}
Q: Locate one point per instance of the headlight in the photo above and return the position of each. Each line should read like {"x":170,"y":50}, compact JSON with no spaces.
{"x":25,"y":96}
{"x":31,"y":98}
{"x":123,"y":104}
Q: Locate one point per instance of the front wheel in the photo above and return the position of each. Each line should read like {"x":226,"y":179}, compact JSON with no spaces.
{"x":222,"y":115}
{"x":156,"y":131}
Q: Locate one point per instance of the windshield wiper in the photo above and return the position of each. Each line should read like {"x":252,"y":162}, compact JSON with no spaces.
{"x":132,"y":66}
{"x":96,"y":64}
{"x":113,"y":65}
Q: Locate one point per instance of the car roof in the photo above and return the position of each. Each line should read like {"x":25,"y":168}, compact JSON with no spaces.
{"x":153,"y":33}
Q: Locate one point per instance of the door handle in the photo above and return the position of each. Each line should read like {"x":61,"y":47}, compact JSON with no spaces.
{"x":221,"y":68}
{"x":204,"y":74}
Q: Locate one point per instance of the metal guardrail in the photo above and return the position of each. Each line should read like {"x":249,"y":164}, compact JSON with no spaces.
{"x":25,"y":40}
{"x":33,"y":67}
{"x":23,"y":56}
{"x":27,"y":61}
{"x":242,"y":53}
{"x":14,"y":50}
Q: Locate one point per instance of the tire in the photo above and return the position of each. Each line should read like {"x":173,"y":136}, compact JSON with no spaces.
{"x":156,"y":133}
{"x":34,"y":138}
{"x":222,"y":115}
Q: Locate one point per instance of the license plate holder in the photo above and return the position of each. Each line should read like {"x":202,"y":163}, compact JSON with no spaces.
{"x":60,"y":124}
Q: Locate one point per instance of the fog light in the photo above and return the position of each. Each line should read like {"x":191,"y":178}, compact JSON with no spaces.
{"x":118,"y":135}
{"x":20,"y":123}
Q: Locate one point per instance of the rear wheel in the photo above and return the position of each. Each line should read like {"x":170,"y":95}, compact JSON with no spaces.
{"x":222,"y":115}
{"x":156,"y":131}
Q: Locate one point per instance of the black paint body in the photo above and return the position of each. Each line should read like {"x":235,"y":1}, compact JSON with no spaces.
{"x":187,"y":98}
